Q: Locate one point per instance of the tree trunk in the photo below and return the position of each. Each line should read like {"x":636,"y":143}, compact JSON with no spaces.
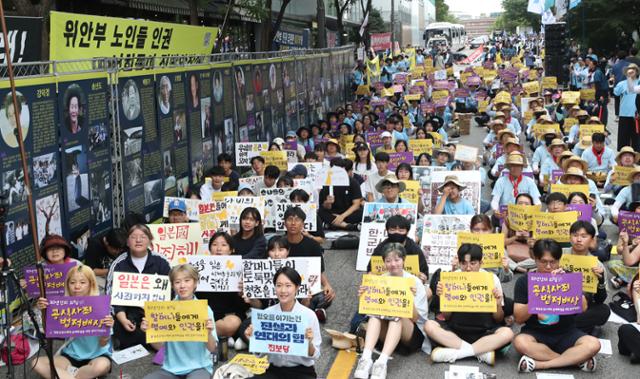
{"x":322,"y":29}
{"x":267,"y":26}
{"x":276,"y":25}
{"x":223,"y":27}
{"x":193,"y":12}
{"x":339,"y":24}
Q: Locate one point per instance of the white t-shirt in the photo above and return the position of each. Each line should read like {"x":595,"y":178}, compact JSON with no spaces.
{"x":139,"y":262}
{"x":372,"y":180}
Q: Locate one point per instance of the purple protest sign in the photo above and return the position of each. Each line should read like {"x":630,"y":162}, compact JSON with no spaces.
{"x":473,"y":81}
{"x":461,"y":92}
{"x":506,"y":172}
{"x":629,"y":222}
{"x":428,"y":107}
{"x":441,"y":103}
{"x":416,"y":90}
{"x":54,"y":277}
{"x":291,"y":145}
{"x":555,"y":176}
{"x":396,"y":158}
{"x":499,"y":150}
{"x":585,"y":211}
{"x":559,"y":294}
{"x":400,"y":78}
{"x":77,"y":316}
{"x":397,"y":88}
{"x":374,"y":139}
{"x":378,"y":102}
{"x":440,"y":84}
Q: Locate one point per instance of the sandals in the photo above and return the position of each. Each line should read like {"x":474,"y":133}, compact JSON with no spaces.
{"x":589,"y":365}
{"x":617,"y":282}
{"x":526,"y":364}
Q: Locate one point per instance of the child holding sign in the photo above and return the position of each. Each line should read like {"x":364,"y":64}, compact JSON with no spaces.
{"x":82,"y":357}
{"x":394,"y":330}
{"x":186,"y":359}
{"x":549,"y":340}
{"x":471,"y":333}
{"x":287,"y":282}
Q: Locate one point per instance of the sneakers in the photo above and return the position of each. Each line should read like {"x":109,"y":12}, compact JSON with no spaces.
{"x":379,"y":371}
{"x":489,"y":358}
{"x":231,"y":342}
{"x":444,"y":354}
{"x":321,"y":314}
{"x":239,"y":345}
{"x":363,"y":369}
{"x":526,"y":364}
{"x":589,"y":365}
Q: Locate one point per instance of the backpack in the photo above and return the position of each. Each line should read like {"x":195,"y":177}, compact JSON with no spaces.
{"x":622,"y":305}
{"x":20,"y":349}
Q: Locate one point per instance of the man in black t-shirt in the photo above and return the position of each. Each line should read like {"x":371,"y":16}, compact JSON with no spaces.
{"x":303,"y":246}
{"x":550,"y":341}
{"x":343,"y":209}
{"x":102,"y":251}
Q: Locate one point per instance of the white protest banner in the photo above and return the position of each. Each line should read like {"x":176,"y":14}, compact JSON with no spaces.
{"x":440,"y":238}
{"x":466,"y":153}
{"x":212,"y":218}
{"x":218,"y":273}
{"x":192,"y":207}
{"x":370,"y":237}
{"x":307,"y":185}
{"x":313,"y":168}
{"x":440,"y":75}
{"x":251,"y":181}
{"x":310,"y":210}
{"x":247,"y":150}
{"x":273,"y":197}
{"x":132,"y":290}
{"x":381,"y":212}
{"x":176,"y":240}
{"x":292,"y":156}
{"x":258,"y":276}
{"x":471,"y":179}
{"x":235,"y":206}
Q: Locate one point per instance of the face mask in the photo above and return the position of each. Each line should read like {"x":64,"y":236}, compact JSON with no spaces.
{"x":397,"y":237}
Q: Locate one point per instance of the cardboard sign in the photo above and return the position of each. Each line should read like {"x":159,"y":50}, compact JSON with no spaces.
{"x":257,"y":365}
{"x":567,"y":189}
{"x":77,"y":316}
{"x":180,"y":320}
{"x":54,"y":278}
{"x":531,"y":87}
{"x":589,"y":129}
{"x":275,"y":158}
{"x":549,"y":82}
{"x":588,"y":94}
{"x":133,"y":290}
{"x":258,"y":276}
{"x":467,"y":292}
{"x":466,"y":153}
{"x":362,"y":90}
{"x":411,"y":264}
{"x":192,"y":207}
{"x":584,"y":265}
{"x":620,"y":176}
{"x":553,"y":225}
{"x":492,"y":246}
{"x":570,"y":97}
{"x":247,"y":150}
{"x":279,"y":333}
{"x":629,"y":222}
{"x":218,"y":273}
{"x":176,"y":240}
{"x":520,"y":217}
{"x":550,"y":294}
{"x":386,"y":296}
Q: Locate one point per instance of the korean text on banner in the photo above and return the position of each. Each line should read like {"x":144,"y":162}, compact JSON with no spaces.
{"x":553,"y":225}
{"x":258,"y":276}
{"x":386,"y":296}
{"x":77,"y":316}
{"x":279,"y":332}
{"x":559,"y":294}
{"x":467,"y":292}
{"x":218,"y":273}
{"x":176,"y":240}
{"x":584,"y":265}
{"x":520,"y":217}
{"x":492,"y":246}
{"x":411,"y":264}
{"x":132,"y":290}
{"x":629,"y":222}
{"x":257,"y":365}
{"x":54,"y":277}
{"x":247,"y":150}
{"x":181,"y":320}
{"x":81,"y":36}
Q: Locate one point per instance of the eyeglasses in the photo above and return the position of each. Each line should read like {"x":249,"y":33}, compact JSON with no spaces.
{"x":138,"y":237}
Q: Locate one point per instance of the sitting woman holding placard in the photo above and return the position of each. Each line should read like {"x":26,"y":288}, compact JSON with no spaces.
{"x":287,"y":282}
{"x":517,"y":242}
{"x":250,"y":241}
{"x":394,"y":330}
{"x":81,"y":357}
{"x":138,"y":259}
{"x":186,"y":359}
{"x":469,"y":334}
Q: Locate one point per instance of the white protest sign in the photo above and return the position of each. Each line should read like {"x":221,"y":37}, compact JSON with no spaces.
{"x":273,"y":197}
{"x":176,"y":240}
{"x":247,"y":150}
{"x":292,"y":156}
{"x":129,"y":354}
{"x":218,"y":273}
{"x":251,"y":181}
{"x":332,"y":176}
{"x":192,"y":207}
{"x":440,"y":75}
{"x":471,"y":179}
{"x":235,"y":206}
{"x":310,"y":210}
{"x":258,"y":276}
{"x":132,"y":290}
{"x":313,"y":168}
{"x":466,"y":153}
{"x":307,"y":186}
{"x":370,"y":237}
{"x":440,"y":238}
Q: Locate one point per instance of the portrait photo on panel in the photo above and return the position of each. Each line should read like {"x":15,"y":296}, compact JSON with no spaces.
{"x":130,"y":98}
{"x":8,"y":124}
{"x":74,"y":108}
{"x":164,"y":94}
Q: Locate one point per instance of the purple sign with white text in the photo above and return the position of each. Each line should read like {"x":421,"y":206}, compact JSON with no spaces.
{"x":77,"y":316}
{"x":54,"y":277}
{"x":559,"y":294}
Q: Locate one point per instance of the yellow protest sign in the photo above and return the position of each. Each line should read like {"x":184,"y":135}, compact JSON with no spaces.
{"x":275,"y":158}
{"x":345,"y":139}
{"x":540,"y":129}
{"x":527,"y":116}
{"x":437,"y":139}
{"x":467,"y":292}
{"x":531,"y":87}
{"x":533,"y":75}
{"x":553,"y":225}
{"x":567,"y":189}
{"x":182,"y":320}
{"x":570,"y":97}
{"x":219,"y":196}
{"x":257,"y":365}
{"x":492,"y":246}
{"x":589,"y":129}
{"x":489,"y":74}
{"x":440,"y":94}
{"x":588,"y":94}
{"x":411,"y":264}
{"x":569,"y":122}
{"x":520,"y":217}
{"x":449,"y":71}
{"x":386,"y":92}
{"x":620,"y":176}
{"x":549,"y":82}
{"x":412,"y":193}
{"x":362,"y":90}
{"x":411,"y":97}
{"x":417,"y":72}
{"x":419,"y":146}
{"x":502,"y":97}
{"x":583,"y":264}
{"x":348,"y":151}
{"x":482,"y":105}
{"x":386,"y":296}
{"x":82,"y":36}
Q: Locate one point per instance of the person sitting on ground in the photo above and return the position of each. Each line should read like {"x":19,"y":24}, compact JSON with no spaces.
{"x":600,"y":159}
{"x":271,"y":175}
{"x":481,"y":224}
{"x":627,"y":195}
{"x":215,"y":183}
{"x":628,"y":334}
{"x":257,"y":167}
{"x":474,"y":334}
{"x":451,"y":202}
{"x":627,"y":157}
{"x":249,"y":241}
{"x":391,"y":187}
{"x":343,"y":208}
{"x":102,"y":251}
{"x":550,"y":341}
{"x":300,"y":196}
{"x":382,"y":169}
{"x":508,"y":187}
{"x":626,"y":268}
{"x":226,"y":162}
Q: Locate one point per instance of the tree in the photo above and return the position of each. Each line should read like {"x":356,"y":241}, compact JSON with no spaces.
{"x":261,"y":10}
{"x":442,"y":12}
{"x":515,"y":14}
{"x":37,"y":8}
{"x":322,"y":27}
{"x":341,"y":6}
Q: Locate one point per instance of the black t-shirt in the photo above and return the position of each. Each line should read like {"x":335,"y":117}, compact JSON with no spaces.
{"x":561,"y":323}
{"x":307,"y":248}
{"x":252,"y":248}
{"x":97,"y":255}
{"x":344,"y":196}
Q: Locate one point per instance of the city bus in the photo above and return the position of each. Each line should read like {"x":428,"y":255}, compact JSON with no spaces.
{"x":455,"y":34}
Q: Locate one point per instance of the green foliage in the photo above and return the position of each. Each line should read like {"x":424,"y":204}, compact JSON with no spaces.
{"x":376,"y":24}
{"x":515,"y":14}
{"x":255,"y":8}
{"x":442,"y":12}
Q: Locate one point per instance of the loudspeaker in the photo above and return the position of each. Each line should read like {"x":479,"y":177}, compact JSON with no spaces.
{"x":558,"y":66}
